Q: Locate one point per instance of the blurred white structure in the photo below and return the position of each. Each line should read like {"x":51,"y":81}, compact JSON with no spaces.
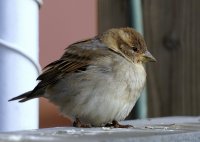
{"x":18,"y":62}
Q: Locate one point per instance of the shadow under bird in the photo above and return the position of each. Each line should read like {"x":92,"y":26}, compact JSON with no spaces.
{"x":96,"y":81}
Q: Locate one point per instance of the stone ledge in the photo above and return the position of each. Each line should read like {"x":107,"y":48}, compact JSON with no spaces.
{"x":168,"y":129}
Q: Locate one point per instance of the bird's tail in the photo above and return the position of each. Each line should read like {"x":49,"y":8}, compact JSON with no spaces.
{"x":23,"y":97}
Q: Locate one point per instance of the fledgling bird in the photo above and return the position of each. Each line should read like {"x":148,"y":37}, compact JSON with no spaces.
{"x":96,"y":81}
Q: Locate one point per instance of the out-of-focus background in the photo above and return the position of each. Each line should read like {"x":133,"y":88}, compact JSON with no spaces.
{"x":170,"y":28}
{"x":62,"y":23}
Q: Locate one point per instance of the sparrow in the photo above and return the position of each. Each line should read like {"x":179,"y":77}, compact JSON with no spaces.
{"x":96,"y":81}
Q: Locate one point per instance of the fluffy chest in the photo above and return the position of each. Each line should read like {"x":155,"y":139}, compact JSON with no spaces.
{"x":118,"y":77}
{"x":130,"y":76}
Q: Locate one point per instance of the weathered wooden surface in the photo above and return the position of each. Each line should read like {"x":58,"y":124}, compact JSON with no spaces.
{"x":113,"y":14}
{"x":173,"y":129}
{"x":172,"y":32}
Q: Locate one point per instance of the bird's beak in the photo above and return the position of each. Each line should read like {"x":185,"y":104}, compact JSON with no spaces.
{"x":147,"y":57}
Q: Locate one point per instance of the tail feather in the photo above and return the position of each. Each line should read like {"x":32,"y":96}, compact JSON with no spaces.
{"x":24,"y":97}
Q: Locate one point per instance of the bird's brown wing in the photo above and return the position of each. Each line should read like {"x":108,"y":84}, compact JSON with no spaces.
{"x":75,"y":59}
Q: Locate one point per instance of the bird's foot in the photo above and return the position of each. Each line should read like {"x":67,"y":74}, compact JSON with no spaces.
{"x":115,"y":124}
{"x":77,"y":123}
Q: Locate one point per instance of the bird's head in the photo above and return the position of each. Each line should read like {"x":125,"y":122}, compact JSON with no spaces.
{"x":128,"y":43}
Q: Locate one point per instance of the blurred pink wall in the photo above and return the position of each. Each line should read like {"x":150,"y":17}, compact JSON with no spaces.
{"x":62,"y":22}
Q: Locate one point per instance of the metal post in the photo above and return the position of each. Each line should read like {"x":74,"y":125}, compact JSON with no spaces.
{"x":137,"y":23}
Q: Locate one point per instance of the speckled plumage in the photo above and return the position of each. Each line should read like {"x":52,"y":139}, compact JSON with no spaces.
{"x":98,"y":80}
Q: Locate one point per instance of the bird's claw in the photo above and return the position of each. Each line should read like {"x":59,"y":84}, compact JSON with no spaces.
{"x":77,"y":123}
{"x":115,"y":124}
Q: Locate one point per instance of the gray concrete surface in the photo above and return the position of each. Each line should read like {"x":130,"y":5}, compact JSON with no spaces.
{"x":168,"y":129}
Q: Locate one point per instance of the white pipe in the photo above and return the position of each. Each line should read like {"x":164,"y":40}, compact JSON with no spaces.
{"x":18,"y":62}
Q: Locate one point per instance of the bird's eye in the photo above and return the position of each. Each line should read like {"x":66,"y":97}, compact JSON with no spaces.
{"x":135,"y":49}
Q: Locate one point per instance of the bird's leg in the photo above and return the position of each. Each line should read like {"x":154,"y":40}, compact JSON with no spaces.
{"x":77,"y":123}
{"x":115,"y":124}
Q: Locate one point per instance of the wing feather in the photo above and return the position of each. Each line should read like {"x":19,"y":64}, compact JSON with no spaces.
{"x":75,"y":59}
